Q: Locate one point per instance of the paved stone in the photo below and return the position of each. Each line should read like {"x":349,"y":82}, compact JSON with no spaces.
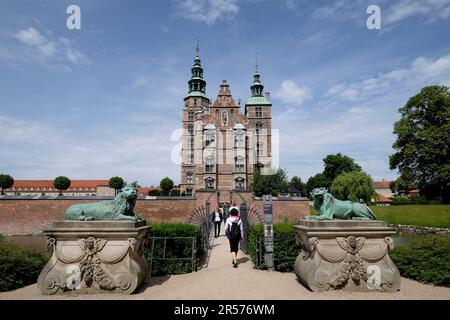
{"x":221,"y":281}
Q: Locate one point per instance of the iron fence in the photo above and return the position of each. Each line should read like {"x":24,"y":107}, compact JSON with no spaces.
{"x":284,"y":254}
{"x":175,"y":249}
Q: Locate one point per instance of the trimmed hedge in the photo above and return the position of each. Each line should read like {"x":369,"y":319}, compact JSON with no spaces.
{"x":175,"y":248}
{"x":19,"y":267}
{"x":286,"y":249}
{"x":403,"y":200}
{"x":424,"y":258}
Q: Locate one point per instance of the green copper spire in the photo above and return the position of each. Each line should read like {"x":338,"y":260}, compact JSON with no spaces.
{"x":257,"y":89}
{"x":197,"y":85}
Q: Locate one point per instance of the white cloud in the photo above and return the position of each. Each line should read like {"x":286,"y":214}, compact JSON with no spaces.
{"x":208,"y":11}
{"x":433,"y":9}
{"x":422,"y":71}
{"x":44,"y":49}
{"x":292,"y":4}
{"x":391,"y":12}
{"x":341,"y":10}
{"x":290,"y":93}
{"x":306,"y":138}
{"x":31,"y":37}
{"x":38,"y":150}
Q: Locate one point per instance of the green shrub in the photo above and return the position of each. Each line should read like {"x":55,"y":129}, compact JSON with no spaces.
{"x":417,"y":200}
{"x":425,"y":259}
{"x":19,"y":267}
{"x":155,"y":192}
{"x":175,"y":192}
{"x":285,"y":248}
{"x":175,"y":248}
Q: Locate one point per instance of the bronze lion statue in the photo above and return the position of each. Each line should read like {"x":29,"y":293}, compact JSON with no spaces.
{"x":330,"y":208}
{"x":121,"y":208}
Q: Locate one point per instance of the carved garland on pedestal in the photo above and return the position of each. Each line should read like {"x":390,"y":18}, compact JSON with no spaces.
{"x":352,"y":265}
{"x":89,"y":270}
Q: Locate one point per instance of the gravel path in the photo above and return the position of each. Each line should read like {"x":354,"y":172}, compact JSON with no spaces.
{"x":221,"y":281}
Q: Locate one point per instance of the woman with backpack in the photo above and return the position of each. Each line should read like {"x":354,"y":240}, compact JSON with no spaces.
{"x":235,"y":232}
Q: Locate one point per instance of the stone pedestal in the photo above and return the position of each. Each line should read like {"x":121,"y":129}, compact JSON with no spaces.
{"x":350,"y":255}
{"x":95,"y":256}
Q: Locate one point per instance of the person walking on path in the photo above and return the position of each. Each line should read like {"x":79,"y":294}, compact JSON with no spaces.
{"x":217,"y":220}
{"x":226,"y":215}
{"x":235,"y":232}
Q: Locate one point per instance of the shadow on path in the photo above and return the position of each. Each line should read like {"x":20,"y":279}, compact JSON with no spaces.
{"x":242,"y":260}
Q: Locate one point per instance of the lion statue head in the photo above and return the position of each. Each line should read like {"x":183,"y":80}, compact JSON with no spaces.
{"x":125,"y":201}
{"x":319,"y":195}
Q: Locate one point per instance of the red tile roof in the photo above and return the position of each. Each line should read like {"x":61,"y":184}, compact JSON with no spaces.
{"x":384,"y":184}
{"x":144,"y":191}
{"x":41,"y":184}
{"x":381,"y":198}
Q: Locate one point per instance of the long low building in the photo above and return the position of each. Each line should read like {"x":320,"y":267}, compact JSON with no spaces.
{"x":46,"y":188}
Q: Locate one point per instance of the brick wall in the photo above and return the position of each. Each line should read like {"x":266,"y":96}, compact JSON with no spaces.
{"x":291,"y":210}
{"x":31,"y":216}
{"x":28,"y":216}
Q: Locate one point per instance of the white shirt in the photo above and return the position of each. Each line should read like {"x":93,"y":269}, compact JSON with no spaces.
{"x":230,"y":221}
{"x":217,"y":219}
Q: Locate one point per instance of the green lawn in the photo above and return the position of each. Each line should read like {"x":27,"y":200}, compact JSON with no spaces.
{"x":418,"y":215}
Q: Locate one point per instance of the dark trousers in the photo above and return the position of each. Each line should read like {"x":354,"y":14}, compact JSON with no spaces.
{"x":217,"y":228}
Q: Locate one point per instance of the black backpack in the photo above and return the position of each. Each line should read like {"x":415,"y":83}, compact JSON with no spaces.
{"x":235,"y":230}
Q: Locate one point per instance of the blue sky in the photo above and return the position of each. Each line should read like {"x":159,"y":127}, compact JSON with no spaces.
{"x":105,"y":100}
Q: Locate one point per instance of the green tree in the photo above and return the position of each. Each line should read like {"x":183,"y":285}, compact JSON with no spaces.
{"x":402,"y":184}
{"x":299,"y":184}
{"x":135,"y":185}
{"x":154,"y":192}
{"x":166,"y":185}
{"x":317,"y":181}
{"x":336,"y":164}
{"x":61,"y":183}
{"x":422,"y":147}
{"x":353,"y":186}
{"x":6,"y":181}
{"x":269,"y":184}
{"x":116,"y":183}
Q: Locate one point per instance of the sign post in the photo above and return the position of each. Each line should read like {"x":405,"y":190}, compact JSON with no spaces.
{"x":268,"y":232}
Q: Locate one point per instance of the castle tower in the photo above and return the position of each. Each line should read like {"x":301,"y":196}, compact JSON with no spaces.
{"x":258,"y":110}
{"x":195,"y":103}
{"x":221,"y":145}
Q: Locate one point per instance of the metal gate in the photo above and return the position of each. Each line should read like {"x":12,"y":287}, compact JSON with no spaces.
{"x":201,"y":217}
{"x":249,"y":216}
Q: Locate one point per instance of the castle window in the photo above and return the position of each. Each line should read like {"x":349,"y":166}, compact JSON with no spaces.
{"x":224,"y":118}
{"x":190,"y":143}
{"x":217,"y":112}
{"x":210,"y":138}
{"x":209,"y":183}
{"x":239,"y":164}
{"x":259,"y":149}
{"x":191,"y":116}
{"x":191,"y":129}
{"x":259,"y":127}
{"x":210,"y":164}
{"x":239,"y":139}
{"x":195,"y":102}
{"x":189,"y":191}
{"x":258,"y":112}
{"x":231,"y":112}
{"x":190,"y":160}
{"x":190,"y":178}
{"x":239,"y":184}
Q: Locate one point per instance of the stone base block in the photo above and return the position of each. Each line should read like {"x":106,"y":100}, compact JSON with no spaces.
{"x":350,"y":255}
{"x":95,"y":256}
